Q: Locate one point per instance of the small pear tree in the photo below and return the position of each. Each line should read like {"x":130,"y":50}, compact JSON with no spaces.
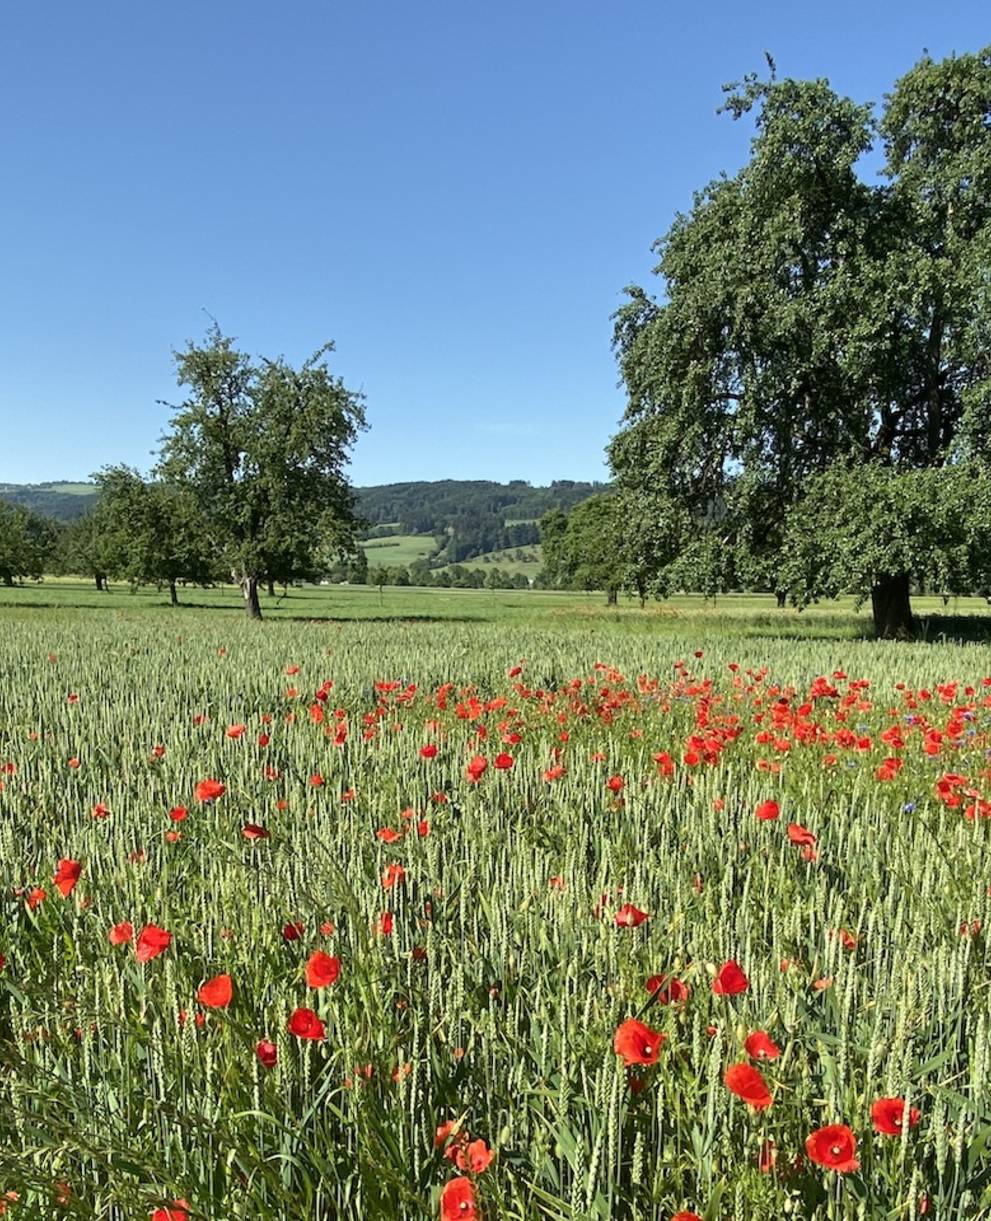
{"x":262,"y":448}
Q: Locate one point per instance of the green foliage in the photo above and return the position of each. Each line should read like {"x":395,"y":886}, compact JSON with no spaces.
{"x":553,"y":527}
{"x":856,"y":527}
{"x":810,"y":318}
{"x":262,"y":448}
{"x":27,"y":544}
{"x":155,"y":532}
{"x":586,"y":549}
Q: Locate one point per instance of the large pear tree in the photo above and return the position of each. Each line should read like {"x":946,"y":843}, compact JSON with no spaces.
{"x":814,"y":317}
{"x":263,"y":448}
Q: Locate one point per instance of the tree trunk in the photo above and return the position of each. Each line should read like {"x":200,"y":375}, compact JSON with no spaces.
{"x":173,"y":594}
{"x":782,"y":597}
{"x":249,"y":590}
{"x":892,"y":608}
{"x":271,"y":588}
{"x":612,"y":597}
{"x":8,"y":579}
{"x":101,"y":582}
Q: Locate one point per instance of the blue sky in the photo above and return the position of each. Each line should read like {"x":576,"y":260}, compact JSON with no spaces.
{"x":455,"y":192}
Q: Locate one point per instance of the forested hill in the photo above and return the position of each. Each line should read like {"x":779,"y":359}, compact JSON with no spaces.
{"x":460,"y":509}
{"x":63,"y":501}
{"x":430,"y":508}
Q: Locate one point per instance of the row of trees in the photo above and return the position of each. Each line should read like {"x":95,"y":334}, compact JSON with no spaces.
{"x":932,"y":524}
{"x":457,"y":576}
{"x":27,"y":544}
{"x":250,"y":486}
{"x":809,"y":399}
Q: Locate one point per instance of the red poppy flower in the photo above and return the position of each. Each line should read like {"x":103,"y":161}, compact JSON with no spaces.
{"x":629,"y":916}
{"x":834,"y":1147}
{"x":387,"y":835}
{"x":236,"y":731}
{"x":475,"y":1157}
{"x":766,"y":1157}
{"x":393,"y":875}
{"x":209,"y":790}
{"x":746,"y":1082}
{"x":888,"y":1116}
{"x":667,"y":991}
{"x":503,"y":762}
{"x":66,"y":876}
{"x":615,"y":784}
{"x":444,"y":1130}
{"x":731,"y":980}
{"x":100,"y":810}
{"x":36,"y":896}
{"x":476,"y":769}
{"x":637,"y":1043}
{"x":253,"y":830}
{"x":175,"y":1212}
{"x":457,"y":1201}
{"x":686,"y":1217}
{"x":760,"y":1046}
{"x":293,"y":931}
{"x":178,"y":813}
{"x":152,"y":940}
{"x":305,"y":1024}
{"x":429,"y":751}
{"x":121,"y":933}
{"x":216,"y":993}
{"x":800,"y":835}
{"x":768,"y":810}
{"x":321,"y":969}
{"x":267,"y":1053}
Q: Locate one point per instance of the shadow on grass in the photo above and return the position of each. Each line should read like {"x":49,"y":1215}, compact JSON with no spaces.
{"x":959,"y":629}
{"x":270,"y":614}
{"x":930,"y":629}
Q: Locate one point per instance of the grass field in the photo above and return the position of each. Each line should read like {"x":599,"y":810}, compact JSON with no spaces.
{"x":399,"y":550}
{"x":507,"y":562}
{"x":368,"y":941}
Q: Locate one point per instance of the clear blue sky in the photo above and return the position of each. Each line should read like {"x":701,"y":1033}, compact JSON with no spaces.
{"x":455,"y":192}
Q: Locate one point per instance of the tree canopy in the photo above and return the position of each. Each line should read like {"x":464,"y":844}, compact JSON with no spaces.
{"x":585,"y":549}
{"x":27,"y":543}
{"x":262,"y":449}
{"x":154,"y":532}
{"x":808,"y":319}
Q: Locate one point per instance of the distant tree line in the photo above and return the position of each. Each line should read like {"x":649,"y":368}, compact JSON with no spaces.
{"x":457,"y":576}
